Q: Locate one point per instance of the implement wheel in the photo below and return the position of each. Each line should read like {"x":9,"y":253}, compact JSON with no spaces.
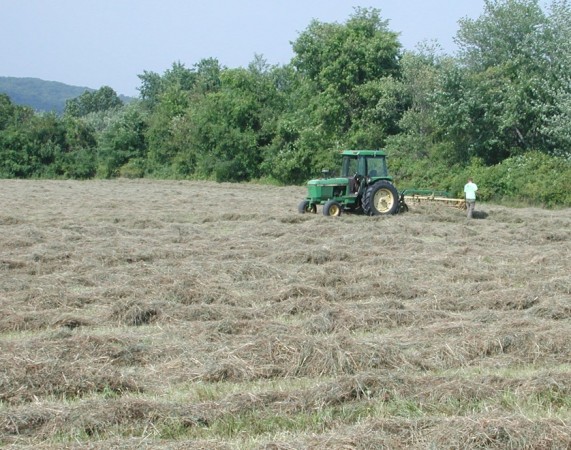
{"x":305,"y":207}
{"x":381,"y":198}
{"x":332,"y":208}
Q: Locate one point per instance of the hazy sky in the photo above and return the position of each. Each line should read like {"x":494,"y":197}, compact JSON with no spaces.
{"x":96,"y":43}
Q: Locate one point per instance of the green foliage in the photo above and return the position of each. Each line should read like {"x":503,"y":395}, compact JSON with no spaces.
{"x":499,"y":111}
{"x":341,"y":91}
{"x":420,"y":78}
{"x":532,"y":178}
{"x":495,"y":103}
{"x":166,"y":132}
{"x":123,"y":143}
{"x":134,"y":168}
{"x":379,"y":106}
{"x":169,"y":99}
{"x":81,"y":165}
{"x":151,"y":87}
{"x":348,"y":69}
{"x":343,"y":56}
{"x":13,"y":116}
{"x":80,"y":160}
{"x":230,"y":127}
{"x":31,"y":145}
{"x":233,"y":171}
{"x":557,"y":125}
{"x":204,"y":77}
{"x":103,"y":99}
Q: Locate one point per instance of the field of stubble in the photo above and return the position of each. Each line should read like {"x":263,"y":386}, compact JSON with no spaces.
{"x":174,"y":315}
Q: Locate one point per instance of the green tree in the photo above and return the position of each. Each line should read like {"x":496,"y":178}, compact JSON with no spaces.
{"x":417,"y":149}
{"x":122,"y":148}
{"x":79,"y":161}
{"x":208,"y":73}
{"x":33,"y":148}
{"x":558,"y":52}
{"x":171,"y":98}
{"x":230,"y":127}
{"x":420,"y":74}
{"x":14,"y":122}
{"x":150,"y":88}
{"x":496,"y":104}
{"x":294,"y":149}
{"x":44,"y":145}
{"x":12,"y":115}
{"x":345,"y":94}
{"x":6,"y":111}
{"x":347,"y":55}
{"x":338,"y":59}
{"x":102,"y":99}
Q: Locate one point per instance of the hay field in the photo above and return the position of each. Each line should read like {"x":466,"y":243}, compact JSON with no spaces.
{"x":175,"y":315}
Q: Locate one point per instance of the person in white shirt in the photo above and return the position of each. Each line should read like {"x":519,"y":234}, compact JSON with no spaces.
{"x":470,"y":189}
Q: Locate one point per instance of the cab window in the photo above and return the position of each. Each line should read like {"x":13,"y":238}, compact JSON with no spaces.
{"x":350,"y":166}
{"x":376,"y":167}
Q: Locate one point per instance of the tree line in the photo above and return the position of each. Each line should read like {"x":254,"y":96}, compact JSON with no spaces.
{"x":499,"y":110}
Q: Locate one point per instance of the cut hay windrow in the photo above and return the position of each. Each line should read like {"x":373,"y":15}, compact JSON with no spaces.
{"x":179,"y":314}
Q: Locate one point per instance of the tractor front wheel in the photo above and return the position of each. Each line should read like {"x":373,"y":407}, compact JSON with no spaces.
{"x":306,"y":207}
{"x":332,"y":208}
{"x":380,"y":199}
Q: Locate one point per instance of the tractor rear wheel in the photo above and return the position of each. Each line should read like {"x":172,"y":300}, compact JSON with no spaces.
{"x":332,"y":208}
{"x":305,"y":207}
{"x":380,"y":199}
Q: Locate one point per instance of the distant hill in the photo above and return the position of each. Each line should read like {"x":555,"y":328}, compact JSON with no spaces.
{"x":42,"y":95}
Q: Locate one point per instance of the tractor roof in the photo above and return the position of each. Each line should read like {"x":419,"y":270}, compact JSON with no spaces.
{"x":363,"y":153}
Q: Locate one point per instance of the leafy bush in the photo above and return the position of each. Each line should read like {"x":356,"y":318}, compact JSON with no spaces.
{"x":82,"y":164}
{"x":531,"y":178}
{"x":135,"y":168}
{"x":232,"y":171}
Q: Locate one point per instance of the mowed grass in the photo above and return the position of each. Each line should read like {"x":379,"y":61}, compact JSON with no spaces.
{"x":174,"y":314}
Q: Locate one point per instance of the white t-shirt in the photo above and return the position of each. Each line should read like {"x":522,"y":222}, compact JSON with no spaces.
{"x":470,"y":191}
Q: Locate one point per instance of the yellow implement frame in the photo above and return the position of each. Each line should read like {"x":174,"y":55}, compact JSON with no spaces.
{"x":414,"y":197}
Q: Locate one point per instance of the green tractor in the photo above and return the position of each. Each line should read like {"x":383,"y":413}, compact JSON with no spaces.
{"x":364,"y":186}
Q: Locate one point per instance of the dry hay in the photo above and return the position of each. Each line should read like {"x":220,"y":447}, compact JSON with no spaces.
{"x":476,"y":430}
{"x":122,"y":300}
{"x":458,"y":433}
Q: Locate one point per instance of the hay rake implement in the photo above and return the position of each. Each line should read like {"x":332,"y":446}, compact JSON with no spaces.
{"x":415,"y":197}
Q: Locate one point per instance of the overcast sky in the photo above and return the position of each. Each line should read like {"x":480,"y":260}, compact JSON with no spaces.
{"x":96,"y":43}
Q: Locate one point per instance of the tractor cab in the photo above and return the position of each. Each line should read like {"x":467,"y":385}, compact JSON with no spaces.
{"x":372,"y":166}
